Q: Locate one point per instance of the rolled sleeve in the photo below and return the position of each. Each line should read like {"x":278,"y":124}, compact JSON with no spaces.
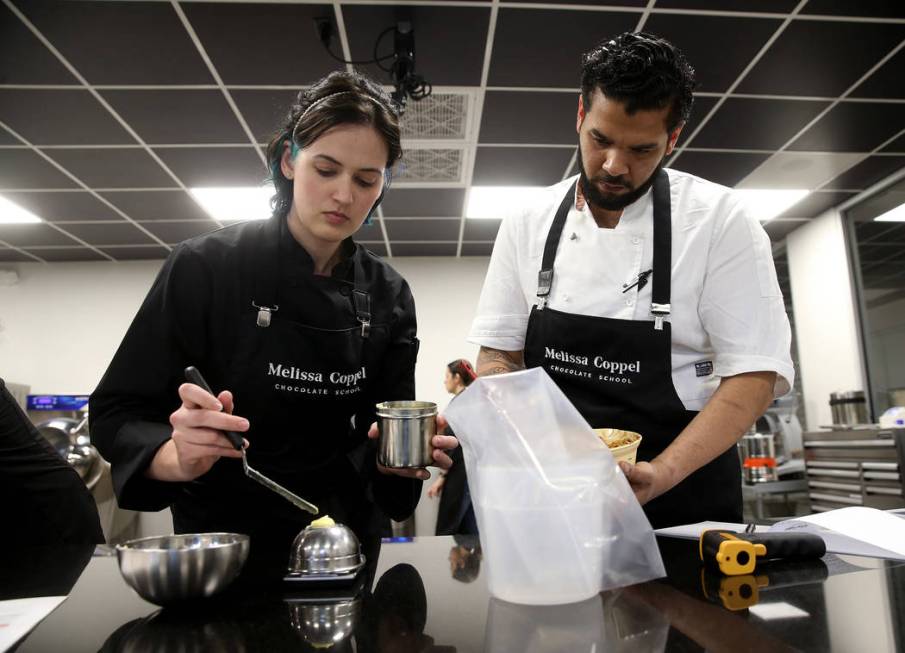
{"x":742,"y":307}
{"x":502,"y":315}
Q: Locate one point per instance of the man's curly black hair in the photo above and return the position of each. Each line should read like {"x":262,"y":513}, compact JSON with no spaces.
{"x":642,"y":71}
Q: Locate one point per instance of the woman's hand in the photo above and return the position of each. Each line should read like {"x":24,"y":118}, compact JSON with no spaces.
{"x":197,"y":441}
{"x":434,"y":490}
{"x":441,"y":444}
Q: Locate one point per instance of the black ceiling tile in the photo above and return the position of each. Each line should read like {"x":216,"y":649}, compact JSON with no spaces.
{"x":868,"y":172}
{"x":699,"y":110}
{"x":216,"y":166}
{"x":875,"y":8}
{"x":886,"y":82}
{"x":423,"y":202}
{"x":113,"y":168}
{"x":120,"y":43}
{"x":8,"y":139}
{"x":898,"y":145}
{"x":779,"y":229}
{"x":423,"y":249}
{"x":60,"y":117}
{"x":522,"y":117}
{"x":264,"y":111}
{"x":809,"y":57}
{"x":881,"y":232}
{"x":614,"y":3}
{"x":26,"y":169}
{"x":157,"y":205}
{"x":143,"y":253}
{"x":742,"y":123}
{"x":37,"y":235}
{"x":519,"y":60}
{"x":481,"y":229}
{"x":377,"y":248}
{"x":261,"y":43}
{"x":427,"y":229}
{"x":65,"y":206}
{"x":768,"y":6}
{"x":520,"y":166}
{"x":717,"y":47}
{"x":477,"y":249}
{"x":119,"y":233}
{"x":853,"y":127}
{"x":814,"y":204}
{"x":727,"y":168}
{"x":14,"y":256}
{"x":24,"y":59}
{"x":175,"y":232}
{"x":449,"y":41}
{"x":208,"y":117}
{"x":53,"y":255}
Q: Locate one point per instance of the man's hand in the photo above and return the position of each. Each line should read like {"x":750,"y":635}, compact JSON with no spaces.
{"x":441,"y":444}
{"x":648,"y":480}
{"x":497,"y":361}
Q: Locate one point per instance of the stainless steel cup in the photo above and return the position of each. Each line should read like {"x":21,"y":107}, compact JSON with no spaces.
{"x":406,"y":431}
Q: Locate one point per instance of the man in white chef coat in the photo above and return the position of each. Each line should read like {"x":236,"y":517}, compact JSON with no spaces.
{"x":648,"y":295}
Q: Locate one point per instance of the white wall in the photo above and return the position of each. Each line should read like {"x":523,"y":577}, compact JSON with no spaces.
{"x":61,"y":324}
{"x":829,"y":350}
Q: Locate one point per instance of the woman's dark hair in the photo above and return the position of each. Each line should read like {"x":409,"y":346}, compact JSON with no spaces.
{"x":464,"y":369}
{"x":340,"y":98}
{"x":642,"y":71}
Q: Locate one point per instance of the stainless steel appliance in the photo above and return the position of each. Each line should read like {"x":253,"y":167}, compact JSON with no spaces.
{"x":855,"y":467}
{"x":758,"y":455}
{"x":849,"y":408}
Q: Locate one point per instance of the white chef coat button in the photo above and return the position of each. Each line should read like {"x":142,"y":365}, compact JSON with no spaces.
{"x":629,"y":302}
{"x":636,"y":240}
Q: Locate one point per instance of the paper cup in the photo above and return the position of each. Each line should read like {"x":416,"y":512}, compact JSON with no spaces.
{"x":627,"y":452}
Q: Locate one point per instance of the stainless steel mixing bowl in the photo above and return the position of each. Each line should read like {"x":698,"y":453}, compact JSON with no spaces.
{"x":174,"y":568}
{"x":325,"y":550}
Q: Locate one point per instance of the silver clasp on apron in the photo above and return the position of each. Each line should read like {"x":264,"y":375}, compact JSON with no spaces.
{"x":659,"y":311}
{"x":264,"y":314}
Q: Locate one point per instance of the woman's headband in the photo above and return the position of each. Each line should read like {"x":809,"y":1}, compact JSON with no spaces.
{"x":327,"y":97}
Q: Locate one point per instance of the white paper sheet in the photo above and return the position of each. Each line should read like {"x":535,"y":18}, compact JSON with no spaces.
{"x":19,"y":616}
{"x":847,"y":531}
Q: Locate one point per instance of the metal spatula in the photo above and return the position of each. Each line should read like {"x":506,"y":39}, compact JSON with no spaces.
{"x":194,"y":376}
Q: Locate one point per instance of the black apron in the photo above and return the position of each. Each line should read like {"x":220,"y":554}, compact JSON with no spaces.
{"x":618,"y":374}
{"x":300,"y":385}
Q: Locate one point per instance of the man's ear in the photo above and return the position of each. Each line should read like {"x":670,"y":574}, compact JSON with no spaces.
{"x":580,"y":117}
{"x":673,"y":138}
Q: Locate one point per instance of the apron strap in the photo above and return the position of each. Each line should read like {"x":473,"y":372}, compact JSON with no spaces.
{"x":267,"y":263}
{"x":660,"y":289}
{"x":362,"y":302}
{"x":545,"y":276}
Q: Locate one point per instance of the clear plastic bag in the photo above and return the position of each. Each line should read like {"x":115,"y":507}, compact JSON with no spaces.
{"x":558,"y":520}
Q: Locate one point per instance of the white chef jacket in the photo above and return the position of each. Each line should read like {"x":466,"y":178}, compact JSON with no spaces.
{"x":727,"y":314}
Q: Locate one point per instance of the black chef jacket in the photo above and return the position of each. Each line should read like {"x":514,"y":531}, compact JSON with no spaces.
{"x":45,"y":501}
{"x":200,"y":312}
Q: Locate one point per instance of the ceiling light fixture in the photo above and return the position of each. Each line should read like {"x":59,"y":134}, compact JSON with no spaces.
{"x":229,"y":204}
{"x":495,"y":202}
{"x":12,"y":213}
{"x":766,"y":203}
{"x":892,"y":215}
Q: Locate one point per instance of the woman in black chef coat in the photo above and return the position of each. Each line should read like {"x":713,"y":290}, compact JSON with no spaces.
{"x":299,"y":330}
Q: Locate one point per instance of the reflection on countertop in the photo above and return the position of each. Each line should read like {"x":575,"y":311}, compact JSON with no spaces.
{"x":429,"y":595}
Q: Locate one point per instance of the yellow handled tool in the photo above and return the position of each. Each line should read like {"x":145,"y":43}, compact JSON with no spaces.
{"x":736,"y":554}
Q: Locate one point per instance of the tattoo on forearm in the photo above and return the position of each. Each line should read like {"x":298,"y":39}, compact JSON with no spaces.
{"x":495,"y":361}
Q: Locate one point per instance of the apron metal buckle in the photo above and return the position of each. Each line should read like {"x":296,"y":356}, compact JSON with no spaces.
{"x":264,"y":314}
{"x":660,"y":312}
{"x":365,"y":328}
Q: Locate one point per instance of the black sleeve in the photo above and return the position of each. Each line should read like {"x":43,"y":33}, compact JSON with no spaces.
{"x":131,"y":406}
{"x":395,"y":495}
{"x":45,"y":501}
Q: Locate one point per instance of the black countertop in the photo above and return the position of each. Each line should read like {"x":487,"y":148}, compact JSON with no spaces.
{"x":410,"y":601}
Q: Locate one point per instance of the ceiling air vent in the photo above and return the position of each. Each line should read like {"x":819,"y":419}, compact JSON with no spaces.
{"x":439,"y":116}
{"x":430,"y":166}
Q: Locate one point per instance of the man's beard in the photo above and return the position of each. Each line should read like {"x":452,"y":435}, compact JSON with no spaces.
{"x":612,"y":201}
